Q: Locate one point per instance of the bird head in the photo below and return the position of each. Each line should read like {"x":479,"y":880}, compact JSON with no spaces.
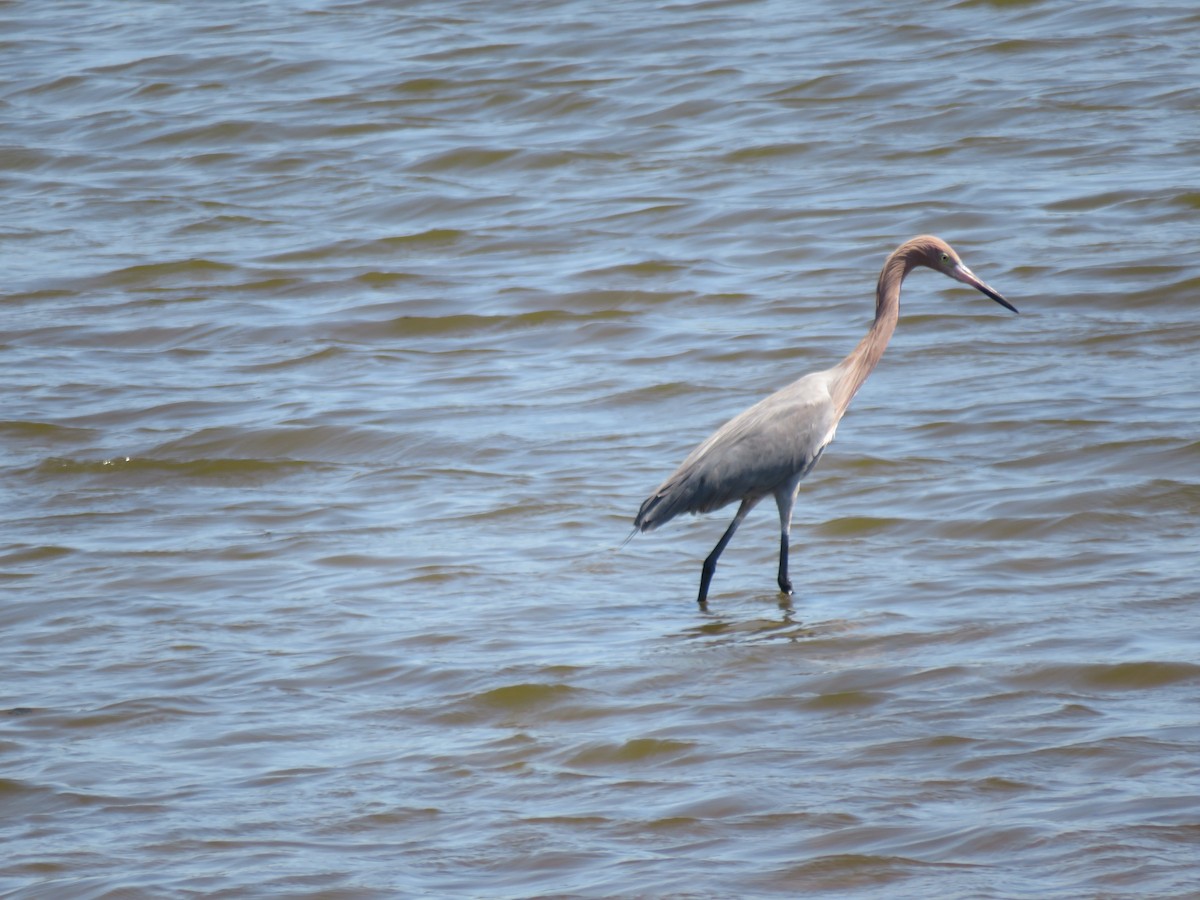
{"x":940,"y":256}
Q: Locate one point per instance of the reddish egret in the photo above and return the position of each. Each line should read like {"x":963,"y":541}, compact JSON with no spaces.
{"x":770,"y":447}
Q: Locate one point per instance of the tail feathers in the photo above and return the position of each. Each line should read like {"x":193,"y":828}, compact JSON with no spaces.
{"x":647,"y":520}
{"x":677,"y":495}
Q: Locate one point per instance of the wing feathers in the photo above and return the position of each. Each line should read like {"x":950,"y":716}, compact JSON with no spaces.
{"x":775,"y":441}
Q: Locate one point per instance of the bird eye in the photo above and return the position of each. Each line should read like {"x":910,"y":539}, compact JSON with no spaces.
{"x":945,"y":259}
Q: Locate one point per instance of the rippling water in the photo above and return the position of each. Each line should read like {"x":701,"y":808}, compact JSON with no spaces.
{"x":342,"y":342}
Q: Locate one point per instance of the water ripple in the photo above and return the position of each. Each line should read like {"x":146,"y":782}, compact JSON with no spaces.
{"x":343,"y":341}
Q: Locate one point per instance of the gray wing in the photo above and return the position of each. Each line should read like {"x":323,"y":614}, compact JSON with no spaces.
{"x":772,"y":443}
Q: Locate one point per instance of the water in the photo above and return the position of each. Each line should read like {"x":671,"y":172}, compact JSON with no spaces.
{"x":342,"y":342}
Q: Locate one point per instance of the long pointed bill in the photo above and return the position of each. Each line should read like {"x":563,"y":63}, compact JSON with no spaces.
{"x":966,"y":276}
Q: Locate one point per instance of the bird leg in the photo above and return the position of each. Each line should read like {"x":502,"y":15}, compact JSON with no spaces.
{"x":785,"y":583}
{"x":710,"y":564}
{"x":784,"y":499}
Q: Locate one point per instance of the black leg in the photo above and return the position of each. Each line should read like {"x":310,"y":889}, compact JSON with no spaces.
{"x":785,"y":583}
{"x":710,"y":563}
{"x":784,"y":499}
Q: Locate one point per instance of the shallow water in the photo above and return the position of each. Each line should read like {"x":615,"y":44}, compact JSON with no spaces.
{"x":343,"y":341}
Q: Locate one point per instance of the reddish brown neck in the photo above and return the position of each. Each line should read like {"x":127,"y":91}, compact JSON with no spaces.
{"x":854,"y":369}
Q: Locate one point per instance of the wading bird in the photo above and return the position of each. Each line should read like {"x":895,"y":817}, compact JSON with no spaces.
{"x":768,"y":449}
